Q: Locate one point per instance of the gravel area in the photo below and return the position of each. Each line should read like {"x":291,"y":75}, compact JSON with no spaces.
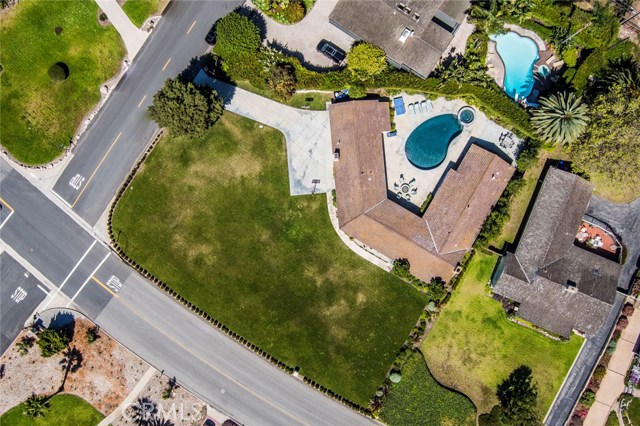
{"x":181,"y":408}
{"x":108,"y":373}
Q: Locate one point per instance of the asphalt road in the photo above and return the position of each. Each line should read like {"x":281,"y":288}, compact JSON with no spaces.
{"x":20,"y":294}
{"x":120,"y":132}
{"x":143,"y":318}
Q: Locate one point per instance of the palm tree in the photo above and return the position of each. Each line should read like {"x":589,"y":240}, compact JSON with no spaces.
{"x":144,"y":411}
{"x":70,"y":363}
{"x":624,"y":71}
{"x":159,"y":421}
{"x":487,"y":16}
{"x":36,"y":406}
{"x":561,"y":118}
{"x":24,"y":345}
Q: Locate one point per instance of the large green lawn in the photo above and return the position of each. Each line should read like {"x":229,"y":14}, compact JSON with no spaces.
{"x":420,"y":400}
{"x":214,"y":219}
{"x":39,"y":117}
{"x":473,"y":347}
{"x":65,"y":410}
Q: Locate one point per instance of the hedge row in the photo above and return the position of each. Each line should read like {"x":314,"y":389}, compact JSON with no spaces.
{"x":220,"y":326}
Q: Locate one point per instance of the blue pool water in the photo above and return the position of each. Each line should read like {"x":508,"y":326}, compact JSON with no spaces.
{"x":518,"y":54}
{"x":427,"y":145}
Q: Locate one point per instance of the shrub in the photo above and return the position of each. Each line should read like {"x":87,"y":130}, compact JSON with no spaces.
{"x":588,"y":398}
{"x":59,"y":72}
{"x":402,"y":269}
{"x":92,"y":334}
{"x":395,"y":377}
{"x":52,"y":342}
{"x":528,"y":155}
{"x":628,"y":309}
{"x":622,"y":323}
{"x":570,"y":56}
{"x":599,"y":373}
{"x":365,"y":60}
{"x":186,"y":109}
{"x":24,"y":345}
{"x":283,"y":11}
{"x":357,"y":91}
{"x":282,"y":82}
{"x":235,"y":35}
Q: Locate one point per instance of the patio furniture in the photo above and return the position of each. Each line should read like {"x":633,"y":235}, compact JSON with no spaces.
{"x":423,"y":105}
{"x":401,"y":178}
{"x":398,"y":105}
{"x":414,"y":191}
{"x":399,"y":195}
{"x":396,"y":186}
{"x":412,"y":181}
{"x":419,"y":107}
{"x":429,"y":105}
{"x":407,"y":197}
{"x":412,"y":108}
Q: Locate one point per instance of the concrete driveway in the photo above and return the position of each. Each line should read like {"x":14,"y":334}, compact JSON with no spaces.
{"x":301,"y":39}
{"x":307,"y":134}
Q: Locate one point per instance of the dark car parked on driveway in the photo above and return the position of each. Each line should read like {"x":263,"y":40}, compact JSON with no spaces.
{"x":332,"y":51}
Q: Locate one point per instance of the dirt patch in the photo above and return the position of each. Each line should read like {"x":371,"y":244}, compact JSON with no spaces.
{"x":108,"y":374}
{"x":181,"y":408}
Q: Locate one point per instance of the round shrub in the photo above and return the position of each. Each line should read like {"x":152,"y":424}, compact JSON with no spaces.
{"x":59,"y":71}
{"x":570,"y":57}
{"x":599,"y":373}
{"x":588,"y":398}
{"x":623,"y":322}
{"x":395,"y":377}
{"x":628,"y":309}
{"x":58,"y":30}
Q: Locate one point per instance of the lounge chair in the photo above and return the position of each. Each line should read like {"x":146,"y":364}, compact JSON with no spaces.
{"x":407,"y":197}
{"x":423,"y":105}
{"x":412,"y":108}
{"x":414,"y":191}
{"x":429,"y":105}
{"x":396,"y":186}
{"x":402,"y":178}
{"x":419,"y":107}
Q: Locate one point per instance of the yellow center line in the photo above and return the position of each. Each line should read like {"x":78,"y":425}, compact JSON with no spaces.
{"x":103,"y":286}
{"x":165,"y":65}
{"x":7,"y":204}
{"x":96,"y":170}
{"x":191,"y":27}
{"x":142,"y":100}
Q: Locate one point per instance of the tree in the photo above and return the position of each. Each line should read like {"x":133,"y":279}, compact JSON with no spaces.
{"x":143,"y":411}
{"x":561,"y":118}
{"x":36,"y":406}
{"x":610,"y":144}
{"x":621,"y":71}
{"x":70,"y":363}
{"x":365,"y":60}
{"x":186,"y":109}
{"x":282,"y":82}
{"x":518,"y":397}
{"x":52,"y":341}
{"x":92,"y":334}
{"x":159,"y":421}
{"x":486,"y":15}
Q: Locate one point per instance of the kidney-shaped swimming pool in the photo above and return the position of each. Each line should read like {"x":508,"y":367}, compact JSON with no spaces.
{"x":428,"y":144}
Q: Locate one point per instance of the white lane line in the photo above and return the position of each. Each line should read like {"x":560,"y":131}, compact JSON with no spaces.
{"x":191,"y":27}
{"x":53,"y":293}
{"x":87,"y":280}
{"x":43,"y":289}
{"x":165,"y":65}
{"x":7,"y":219}
{"x":142,"y":100}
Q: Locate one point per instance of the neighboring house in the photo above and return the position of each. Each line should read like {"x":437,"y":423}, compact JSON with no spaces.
{"x":434,"y":244}
{"x":413,"y":33}
{"x":559,"y":284}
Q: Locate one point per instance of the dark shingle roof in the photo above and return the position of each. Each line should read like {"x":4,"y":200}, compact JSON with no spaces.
{"x":559,"y":286}
{"x":381,"y":22}
{"x":552,"y":306}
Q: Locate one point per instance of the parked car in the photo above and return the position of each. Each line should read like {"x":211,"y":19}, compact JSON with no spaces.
{"x":211,"y":36}
{"x":332,"y":51}
{"x":209,"y":422}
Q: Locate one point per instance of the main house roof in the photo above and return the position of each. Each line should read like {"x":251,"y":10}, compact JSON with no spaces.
{"x":382,"y":22}
{"x":433,"y":244}
{"x":559,"y":286}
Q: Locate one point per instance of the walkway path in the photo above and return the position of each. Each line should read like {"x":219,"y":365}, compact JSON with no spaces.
{"x":115,"y":415}
{"x":307,"y":134}
{"x":132,"y":36}
{"x":613,"y":383}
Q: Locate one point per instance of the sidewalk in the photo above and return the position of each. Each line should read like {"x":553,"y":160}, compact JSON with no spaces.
{"x":613,"y":383}
{"x":132,"y":36}
{"x":129,"y":399}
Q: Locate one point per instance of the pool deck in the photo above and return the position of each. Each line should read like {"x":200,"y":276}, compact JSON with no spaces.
{"x":482,"y":131}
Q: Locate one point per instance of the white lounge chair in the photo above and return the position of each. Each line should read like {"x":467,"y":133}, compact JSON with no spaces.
{"x":429,"y":105}
{"x":412,"y":108}
{"x":419,"y":107}
{"x":402,"y":178}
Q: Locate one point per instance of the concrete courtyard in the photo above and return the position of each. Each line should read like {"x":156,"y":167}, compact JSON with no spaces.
{"x":481,"y":131}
